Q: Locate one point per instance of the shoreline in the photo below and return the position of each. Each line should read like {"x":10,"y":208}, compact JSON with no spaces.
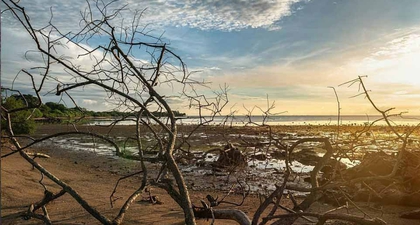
{"x":94,"y":177}
{"x":276,"y":120}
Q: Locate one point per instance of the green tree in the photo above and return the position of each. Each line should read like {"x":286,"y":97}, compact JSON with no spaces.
{"x":37,"y":113}
{"x":53,"y":106}
{"x":31,"y":100}
{"x":22,"y":122}
{"x":45,"y":110}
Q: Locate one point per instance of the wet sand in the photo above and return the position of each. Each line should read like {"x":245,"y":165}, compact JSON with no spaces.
{"x":94,"y":177}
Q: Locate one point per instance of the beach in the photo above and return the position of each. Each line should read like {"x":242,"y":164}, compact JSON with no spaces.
{"x":94,"y":176}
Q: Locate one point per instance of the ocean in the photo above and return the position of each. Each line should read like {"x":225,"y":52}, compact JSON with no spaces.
{"x":283,"y":120}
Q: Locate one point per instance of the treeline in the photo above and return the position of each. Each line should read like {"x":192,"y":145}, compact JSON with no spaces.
{"x":57,"y":110}
{"x":52,"y":109}
{"x":23,"y":121}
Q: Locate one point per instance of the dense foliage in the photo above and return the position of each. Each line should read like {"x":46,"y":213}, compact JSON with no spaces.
{"x":23,"y":121}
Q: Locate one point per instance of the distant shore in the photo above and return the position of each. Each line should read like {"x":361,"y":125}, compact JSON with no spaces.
{"x":314,"y":120}
{"x":124,"y":130}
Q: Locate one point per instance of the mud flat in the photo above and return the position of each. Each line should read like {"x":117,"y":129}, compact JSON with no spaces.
{"x":94,"y":174}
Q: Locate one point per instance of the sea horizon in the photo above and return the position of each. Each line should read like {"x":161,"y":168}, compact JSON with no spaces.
{"x":241,"y":120}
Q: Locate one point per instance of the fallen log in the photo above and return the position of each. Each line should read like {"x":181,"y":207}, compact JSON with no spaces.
{"x":224,"y":214}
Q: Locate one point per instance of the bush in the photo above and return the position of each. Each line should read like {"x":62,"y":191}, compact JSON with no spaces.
{"x":37,"y":113}
{"x":21,"y":122}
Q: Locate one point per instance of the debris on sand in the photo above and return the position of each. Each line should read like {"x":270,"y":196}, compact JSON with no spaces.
{"x":401,"y":189}
{"x":230,"y":156}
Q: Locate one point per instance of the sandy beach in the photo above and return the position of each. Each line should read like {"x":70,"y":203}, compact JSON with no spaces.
{"x":94,"y":176}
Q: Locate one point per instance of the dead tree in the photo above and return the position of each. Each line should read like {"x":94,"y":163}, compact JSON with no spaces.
{"x":130,"y":83}
{"x":133,"y":85}
{"x":271,"y":210}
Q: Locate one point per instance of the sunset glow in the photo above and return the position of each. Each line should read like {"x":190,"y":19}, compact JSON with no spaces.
{"x":288,"y":50}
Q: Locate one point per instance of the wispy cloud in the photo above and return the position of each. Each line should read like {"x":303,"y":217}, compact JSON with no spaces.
{"x":204,"y":15}
{"x":321,"y":43}
{"x":281,"y":76}
{"x":396,"y":61}
{"x":402,"y":45}
{"x":219,"y":15}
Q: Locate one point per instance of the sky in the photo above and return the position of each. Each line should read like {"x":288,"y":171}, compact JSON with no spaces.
{"x":289,"y":51}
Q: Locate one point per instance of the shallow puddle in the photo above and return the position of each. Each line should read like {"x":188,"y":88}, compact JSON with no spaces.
{"x":259,"y":175}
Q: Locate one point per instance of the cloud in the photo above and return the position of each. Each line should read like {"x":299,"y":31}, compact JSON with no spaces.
{"x":13,"y":60}
{"x":395,"y":61}
{"x":300,"y":82}
{"x":89,"y":102}
{"x":399,"y":46}
{"x":65,"y":13}
{"x":204,"y":15}
{"x":273,"y":76}
{"x":20,"y":53}
{"x":216,"y":14}
{"x":297,"y":62}
{"x":204,"y":69}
